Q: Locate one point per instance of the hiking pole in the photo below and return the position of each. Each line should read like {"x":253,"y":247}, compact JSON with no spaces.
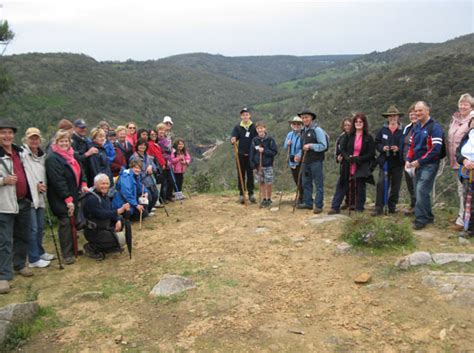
{"x":178,"y":194}
{"x":163,"y":204}
{"x":288,"y":156}
{"x":279,"y":202}
{"x":299,"y":181}
{"x":385,"y":187}
{"x":239,"y":170}
{"x":51,"y":228}
{"x":350,"y":189}
{"x":141,"y":211}
{"x":260,"y":177}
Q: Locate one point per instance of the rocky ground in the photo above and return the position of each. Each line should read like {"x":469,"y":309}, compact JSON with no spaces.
{"x":266,"y":281}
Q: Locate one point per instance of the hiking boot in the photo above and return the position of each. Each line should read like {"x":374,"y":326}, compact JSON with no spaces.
{"x":4,"y":287}
{"x":252,"y":198}
{"x":69,"y":260}
{"x":376,"y":213}
{"x":409,"y":212}
{"x":393,"y":211}
{"x":241,"y":199}
{"x":90,"y":252}
{"x":334,"y":211}
{"x":47,"y":257}
{"x":39,"y":264}
{"x":303,"y":206}
{"x":317,"y":210}
{"x":418,"y":226}
{"x":344,"y":207}
{"x":25,"y":272}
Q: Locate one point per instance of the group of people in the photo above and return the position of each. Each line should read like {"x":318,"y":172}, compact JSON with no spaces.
{"x":115,"y":175}
{"x":412,"y":151}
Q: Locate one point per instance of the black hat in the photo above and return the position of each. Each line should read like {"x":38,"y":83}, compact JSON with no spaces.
{"x":5,"y":124}
{"x":307,"y":112}
{"x":244,"y":110}
{"x":80,"y":123}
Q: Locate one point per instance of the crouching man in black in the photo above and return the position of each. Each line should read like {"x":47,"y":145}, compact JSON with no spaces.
{"x":102,"y":221}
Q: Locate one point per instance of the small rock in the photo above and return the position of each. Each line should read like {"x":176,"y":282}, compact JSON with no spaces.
{"x":118,"y":339}
{"x":298,"y":239}
{"x":172,"y":284}
{"x":463,"y":241}
{"x":343,"y":248}
{"x":274,"y":209}
{"x":442,"y":334}
{"x":380,"y":285}
{"x":329,"y":218}
{"x":363,"y":278}
{"x":327,"y":241}
{"x":299,"y":245}
{"x":260,"y":230}
{"x":215,"y":267}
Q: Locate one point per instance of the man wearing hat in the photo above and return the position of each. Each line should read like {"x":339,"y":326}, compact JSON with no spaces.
{"x":244,"y":134}
{"x":314,"y":144}
{"x":388,"y":142}
{"x":293,"y":147}
{"x":15,"y":224}
{"x":81,"y":144}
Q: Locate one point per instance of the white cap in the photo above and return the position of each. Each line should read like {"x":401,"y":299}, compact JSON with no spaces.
{"x":167,"y":119}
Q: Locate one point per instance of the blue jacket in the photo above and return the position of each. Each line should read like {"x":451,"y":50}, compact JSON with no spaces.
{"x":425,"y":148}
{"x":295,"y":149}
{"x":110,"y":150}
{"x":270,"y":150}
{"x":129,"y":189}
{"x":146,"y":178}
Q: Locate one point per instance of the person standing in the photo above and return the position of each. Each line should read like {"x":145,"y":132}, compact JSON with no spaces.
{"x":82,"y":145}
{"x":15,"y":209}
{"x":315,"y":144}
{"x":293,"y":147}
{"x":244,"y":133}
{"x":34,"y":164}
{"x":123,"y":151}
{"x":409,"y":178}
{"x":424,"y":156}
{"x":458,"y":127}
{"x":388,"y":142}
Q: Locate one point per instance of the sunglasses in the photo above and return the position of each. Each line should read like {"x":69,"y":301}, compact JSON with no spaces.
{"x":132,"y":128}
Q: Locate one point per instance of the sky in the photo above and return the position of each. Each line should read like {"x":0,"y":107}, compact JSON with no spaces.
{"x":153,"y":29}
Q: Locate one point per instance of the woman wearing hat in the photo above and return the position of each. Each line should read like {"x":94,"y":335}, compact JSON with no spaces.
{"x":458,"y":127}
{"x":293,"y":147}
{"x":34,"y":164}
{"x":388,"y":142}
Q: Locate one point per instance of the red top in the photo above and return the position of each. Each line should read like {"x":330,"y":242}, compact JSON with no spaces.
{"x":22,"y":183}
{"x":357,"y":149}
{"x":154,"y":150}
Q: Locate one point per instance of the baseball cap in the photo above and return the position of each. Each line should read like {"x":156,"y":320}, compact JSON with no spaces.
{"x":80,"y":123}
{"x":32,"y":131}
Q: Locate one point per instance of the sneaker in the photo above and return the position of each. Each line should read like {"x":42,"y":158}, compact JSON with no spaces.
{"x":25,"y":272}
{"x":333,"y":211}
{"x":47,"y":257}
{"x":317,"y":210}
{"x":4,"y":286}
{"x":269,"y":202}
{"x":263,"y":203}
{"x":69,"y":260}
{"x":39,"y":264}
{"x":252,"y":198}
{"x":241,"y":199}
{"x":151,"y":214}
{"x":303,"y":206}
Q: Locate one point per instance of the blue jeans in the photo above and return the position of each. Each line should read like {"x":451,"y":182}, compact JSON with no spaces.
{"x":15,"y":232}
{"x":36,"y":236}
{"x":424,"y":180}
{"x":313,"y":173}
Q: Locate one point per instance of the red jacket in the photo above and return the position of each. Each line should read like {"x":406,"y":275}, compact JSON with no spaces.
{"x":122,"y":155}
{"x":154,"y":150}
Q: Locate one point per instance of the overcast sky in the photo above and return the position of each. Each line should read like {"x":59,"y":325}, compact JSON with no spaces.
{"x":151,"y":29}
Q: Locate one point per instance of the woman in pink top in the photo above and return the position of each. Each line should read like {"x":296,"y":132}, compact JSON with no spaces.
{"x":180,"y":160}
{"x":358,"y":152}
{"x":458,"y":127}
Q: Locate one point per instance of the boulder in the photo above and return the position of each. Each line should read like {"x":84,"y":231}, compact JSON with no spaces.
{"x":415,"y":259}
{"x":170,"y":285}
{"x":444,"y":258}
{"x":16,"y":314}
{"x":343,"y":248}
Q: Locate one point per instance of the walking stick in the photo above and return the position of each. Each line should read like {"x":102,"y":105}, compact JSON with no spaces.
{"x":163,"y":204}
{"x":288,"y":156}
{"x":239,"y":170}
{"x":385,"y":187}
{"x":74,"y":235}
{"x":467,"y":208}
{"x":141,"y":211}
{"x":260,"y":176}
{"x":279,"y":201}
{"x":350,"y":189}
{"x":299,"y":181}
{"x":178,"y":194}
{"x":51,"y":229}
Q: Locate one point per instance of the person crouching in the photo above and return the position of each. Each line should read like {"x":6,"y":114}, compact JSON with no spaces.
{"x":103,"y":222}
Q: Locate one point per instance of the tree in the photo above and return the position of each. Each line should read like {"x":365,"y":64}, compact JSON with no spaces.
{"x":6,"y":35}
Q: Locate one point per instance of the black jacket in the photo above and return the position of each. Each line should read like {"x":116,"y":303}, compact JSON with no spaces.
{"x":98,"y":209}
{"x":98,"y":163}
{"x":270,"y":150}
{"x":62,"y":184}
{"x":385,"y":137}
{"x":364,"y":161}
{"x":240,"y":133}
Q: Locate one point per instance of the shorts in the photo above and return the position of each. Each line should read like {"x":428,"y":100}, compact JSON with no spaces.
{"x":265,"y":176}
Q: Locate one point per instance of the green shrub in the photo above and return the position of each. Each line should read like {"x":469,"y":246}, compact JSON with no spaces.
{"x":201,"y":182}
{"x":377,"y":233}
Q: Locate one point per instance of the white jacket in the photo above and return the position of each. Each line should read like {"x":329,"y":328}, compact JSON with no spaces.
{"x":35,"y":172}
{"x":8,"y":200}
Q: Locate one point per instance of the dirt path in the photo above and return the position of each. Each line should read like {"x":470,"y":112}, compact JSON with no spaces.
{"x":257,"y":280}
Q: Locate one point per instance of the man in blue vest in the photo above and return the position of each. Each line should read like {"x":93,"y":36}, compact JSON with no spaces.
{"x":314,"y":142}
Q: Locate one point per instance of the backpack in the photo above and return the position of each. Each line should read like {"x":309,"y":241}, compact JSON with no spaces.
{"x":325,"y":134}
{"x":442,"y":153}
{"x":81,"y":221}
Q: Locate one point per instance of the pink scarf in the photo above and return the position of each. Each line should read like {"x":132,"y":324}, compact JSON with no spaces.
{"x":69,"y":157}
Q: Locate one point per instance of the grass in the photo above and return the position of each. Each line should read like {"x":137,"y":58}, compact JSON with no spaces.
{"x":45,"y":319}
{"x":115,"y":286}
{"x":467,"y":267}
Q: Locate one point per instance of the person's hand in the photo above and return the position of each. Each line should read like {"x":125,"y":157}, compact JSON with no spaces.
{"x":91,"y":151}
{"x":85,"y":189}
{"x":386,"y":148}
{"x":260,"y":149}
{"x":233,"y":140}
{"x":70,"y":209}
{"x":149,"y":169}
{"x":288,"y":142}
{"x":10,"y":180}
{"x":126,"y":207}
{"x":140,"y":208}
{"x":307,"y":147}
{"x":408,"y":165}
{"x":395,"y":148}
{"x":415,"y":164}
{"x":118,"y":226}
{"x":340,"y":158}
{"x":468,"y":164}
{"x":297,"y":159}
{"x":41,"y":187}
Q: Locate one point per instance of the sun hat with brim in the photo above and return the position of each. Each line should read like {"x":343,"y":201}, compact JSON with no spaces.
{"x":392,"y":110}
{"x":5,"y":124}
{"x":167,"y":119}
{"x":32,"y":131}
{"x":307,"y":112}
{"x":295,"y":120}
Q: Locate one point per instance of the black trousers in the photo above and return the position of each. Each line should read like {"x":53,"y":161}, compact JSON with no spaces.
{"x":394,"y":175}
{"x":104,"y":241}
{"x":246,"y":173}
{"x":179,"y":180}
{"x":354,"y":190}
{"x":167,"y":186}
{"x":295,"y":173}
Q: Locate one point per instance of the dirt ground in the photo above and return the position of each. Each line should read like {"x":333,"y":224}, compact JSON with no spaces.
{"x":260,"y":288}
